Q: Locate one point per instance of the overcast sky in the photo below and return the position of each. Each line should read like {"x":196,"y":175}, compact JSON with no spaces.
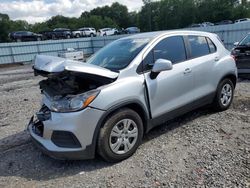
{"x":41,"y":10}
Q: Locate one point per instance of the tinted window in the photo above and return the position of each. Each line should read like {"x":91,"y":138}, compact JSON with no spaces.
{"x":199,"y":46}
{"x":171,"y":48}
{"x":211,"y":45}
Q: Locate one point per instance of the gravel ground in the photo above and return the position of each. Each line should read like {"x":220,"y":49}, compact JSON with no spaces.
{"x":199,"y":149}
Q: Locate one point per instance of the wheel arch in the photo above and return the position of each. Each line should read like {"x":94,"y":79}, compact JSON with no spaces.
{"x":230,"y":76}
{"x":135,"y":105}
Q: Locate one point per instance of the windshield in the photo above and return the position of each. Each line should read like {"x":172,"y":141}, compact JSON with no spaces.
{"x":245,"y":41}
{"x":118,"y":54}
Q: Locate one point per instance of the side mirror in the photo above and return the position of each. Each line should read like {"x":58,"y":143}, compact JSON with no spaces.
{"x":159,"y":66}
{"x":162,"y":65}
{"x":236,"y":43}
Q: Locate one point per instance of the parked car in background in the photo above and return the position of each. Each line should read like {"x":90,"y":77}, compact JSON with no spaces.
{"x":20,"y":36}
{"x":88,"y":32}
{"x":242,"y":20}
{"x":195,"y":25}
{"x":224,"y":22}
{"x":107,"y":31}
{"x":206,"y":24}
{"x":76,"y":33}
{"x":121,"y":31}
{"x":58,"y":33}
{"x":241,"y":53}
{"x":127,"y":88}
{"x":84,"y":32}
{"x":132,"y":30}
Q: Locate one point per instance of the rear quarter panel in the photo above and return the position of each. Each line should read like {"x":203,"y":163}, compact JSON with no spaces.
{"x":225,"y":65}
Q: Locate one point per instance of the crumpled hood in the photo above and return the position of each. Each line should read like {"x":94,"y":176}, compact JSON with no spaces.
{"x":52,"y":64}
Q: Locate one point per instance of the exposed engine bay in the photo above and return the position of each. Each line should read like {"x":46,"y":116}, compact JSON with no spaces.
{"x":69,"y":83}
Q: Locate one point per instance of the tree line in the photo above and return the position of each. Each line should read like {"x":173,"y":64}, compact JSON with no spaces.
{"x":153,"y":16}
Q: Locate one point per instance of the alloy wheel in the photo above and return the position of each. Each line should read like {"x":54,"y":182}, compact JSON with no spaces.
{"x":123,"y":136}
{"x":226,"y":94}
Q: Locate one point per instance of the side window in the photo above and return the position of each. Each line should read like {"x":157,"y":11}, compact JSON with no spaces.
{"x":199,"y":46}
{"x":211,"y":45}
{"x":171,"y":48}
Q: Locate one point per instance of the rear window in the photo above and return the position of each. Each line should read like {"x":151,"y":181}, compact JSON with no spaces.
{"x":199,"y":46}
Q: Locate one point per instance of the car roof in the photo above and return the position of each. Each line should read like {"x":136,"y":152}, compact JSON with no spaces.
{"x":152,"y":35}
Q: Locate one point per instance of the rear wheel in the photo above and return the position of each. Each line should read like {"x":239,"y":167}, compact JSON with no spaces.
{"x":120,"y":136}
{"x":224,"y":95}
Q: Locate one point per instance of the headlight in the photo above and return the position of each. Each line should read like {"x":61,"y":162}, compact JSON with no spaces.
{"x":74,"y":103}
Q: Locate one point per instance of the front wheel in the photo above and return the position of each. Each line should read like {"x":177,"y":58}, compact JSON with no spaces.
{"x":224,"y":95}
{"x":120,"y":136}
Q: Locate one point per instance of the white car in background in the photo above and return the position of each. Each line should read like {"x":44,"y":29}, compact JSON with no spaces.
{"x":242,"y":20}
{"x":107,"y":31}
{"x":84,"y":32}
{"x":88,"y":31}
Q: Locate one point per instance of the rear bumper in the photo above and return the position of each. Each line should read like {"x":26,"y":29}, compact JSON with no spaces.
{"x":80,"y":125}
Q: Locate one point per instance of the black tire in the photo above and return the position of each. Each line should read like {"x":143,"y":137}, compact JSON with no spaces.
{"x":68,"y":37}
{"x":53,"y":37}
{"x":217,"y":104}
{"x":103,"y":143}
{"x":77,"y":35}
{"x":18,"y":40}
{"x":39,"y":39}
{"x":91,"y":35}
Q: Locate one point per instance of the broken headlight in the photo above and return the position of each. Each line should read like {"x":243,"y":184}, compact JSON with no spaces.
{"x":74,"y":103}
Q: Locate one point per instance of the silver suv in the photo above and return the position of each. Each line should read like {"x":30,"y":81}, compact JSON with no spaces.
{"x":124,"y":90}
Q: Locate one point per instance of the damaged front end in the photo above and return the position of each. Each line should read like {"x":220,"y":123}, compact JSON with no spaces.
{"x":70,"y":85}
{"x":64,"y":126}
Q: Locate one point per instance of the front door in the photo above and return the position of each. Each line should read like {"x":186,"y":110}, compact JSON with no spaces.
{"x":172,"y":89}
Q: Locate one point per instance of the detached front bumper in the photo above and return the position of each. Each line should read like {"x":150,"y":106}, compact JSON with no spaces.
{"x":66,"y":135}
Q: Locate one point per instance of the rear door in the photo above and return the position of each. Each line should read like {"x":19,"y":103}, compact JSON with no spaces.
{"x":171,"y":89}
{"x":203,"y":56}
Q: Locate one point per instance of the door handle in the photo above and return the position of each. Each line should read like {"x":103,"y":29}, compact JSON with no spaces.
{"x":216,"y":58}
{"x":187,"y":70}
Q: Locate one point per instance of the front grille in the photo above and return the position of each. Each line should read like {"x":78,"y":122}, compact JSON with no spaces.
{"x":65,"y":139}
